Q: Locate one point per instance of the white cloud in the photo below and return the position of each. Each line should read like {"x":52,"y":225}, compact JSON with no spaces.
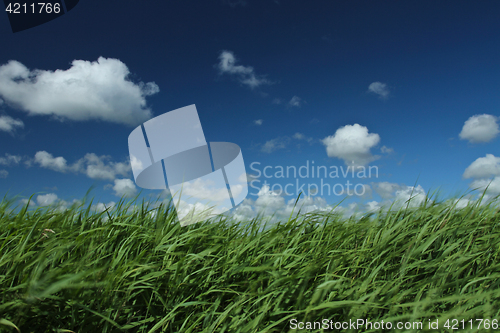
{"x":492,"y":186}
{"x":25,"y":202}
{"x":99,"y":167}
{"x":268,"y":202}
{"x":276,"y":101}
{"x":93,"y":166}
{"x":101,"y":207}
{"x":46,"y":199}
{"x":207,"y":189}
{"x":380,"y":89}
{"x":372,"y":206}
{"x":352,"y":143}
{"x":300,"y":136}
{"x":385,"y":189}
{"x":275,"y":144}
{"x":98,"y":90}
{"x":10,"y":159}
{"x":4,"y":173}
{"x":296,"y":101}
{"x":480,"y":128}
{"x":46,"y":160}
{"x":124,"y":187}
{"x":258,"y":122}
{"x":245,"y":74}
{"x":416,"y":195}
{"x":483,"y":167}
{"x":9,"y":124}
{"x":386,"y":150}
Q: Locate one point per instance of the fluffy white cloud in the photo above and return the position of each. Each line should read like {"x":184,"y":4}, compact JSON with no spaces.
{"x":124,"y":188}
{"x":4,"y":173}
{"x":100,"y":167}
{"x":258,"y":122}
{"x":480,"y":128}
{"x":46,"y":199}
{"x":410,"y":196}
{"x":296,"y":101}
{"x":372,"y":206}
{"x":93,"y":166}
{"x":98,"y":90}
{"x":379,"y":88}
{"x":245,"y":74}
{"x":268,"y":202}
{"x":9,"y":124}
{"x":352,"y":143}
{"x":46,"y":160}
{"x":483,"y":167}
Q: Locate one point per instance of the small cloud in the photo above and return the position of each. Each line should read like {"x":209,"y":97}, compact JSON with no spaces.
{"x":258,"y":122}
{"x":46,"y":160}
{"x":4,"y":173}
{"x":300,"y":136}
{"x":296,"y":101}
{"x":26,"y":201}
{"x":314,"y":121}
{"x":380,"y":89}
{"x":277,"y":101}
{"x":480,"y":128}
{"x":275,"y":144}
{"x":386,"y":150}
{"x":124,"y":188}
{"x":46,"y":199}
{"x":352,"y":143}
{"x":245,"y":74}
{"x":9,"y":124}
{"x":386,"y":190}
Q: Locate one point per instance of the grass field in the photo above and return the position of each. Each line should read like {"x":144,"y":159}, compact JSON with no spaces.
{"x":126,"y":270}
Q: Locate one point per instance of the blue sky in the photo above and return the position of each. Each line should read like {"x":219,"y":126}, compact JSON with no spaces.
{"x":411,"y":88}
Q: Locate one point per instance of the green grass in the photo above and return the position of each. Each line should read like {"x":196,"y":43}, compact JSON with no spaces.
{"x":134,"y":272}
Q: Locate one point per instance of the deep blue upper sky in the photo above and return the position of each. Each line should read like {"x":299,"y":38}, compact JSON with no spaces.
{"x":305,"y":67}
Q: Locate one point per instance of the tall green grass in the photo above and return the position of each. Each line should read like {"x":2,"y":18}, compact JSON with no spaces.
{"x":127,"y":270}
